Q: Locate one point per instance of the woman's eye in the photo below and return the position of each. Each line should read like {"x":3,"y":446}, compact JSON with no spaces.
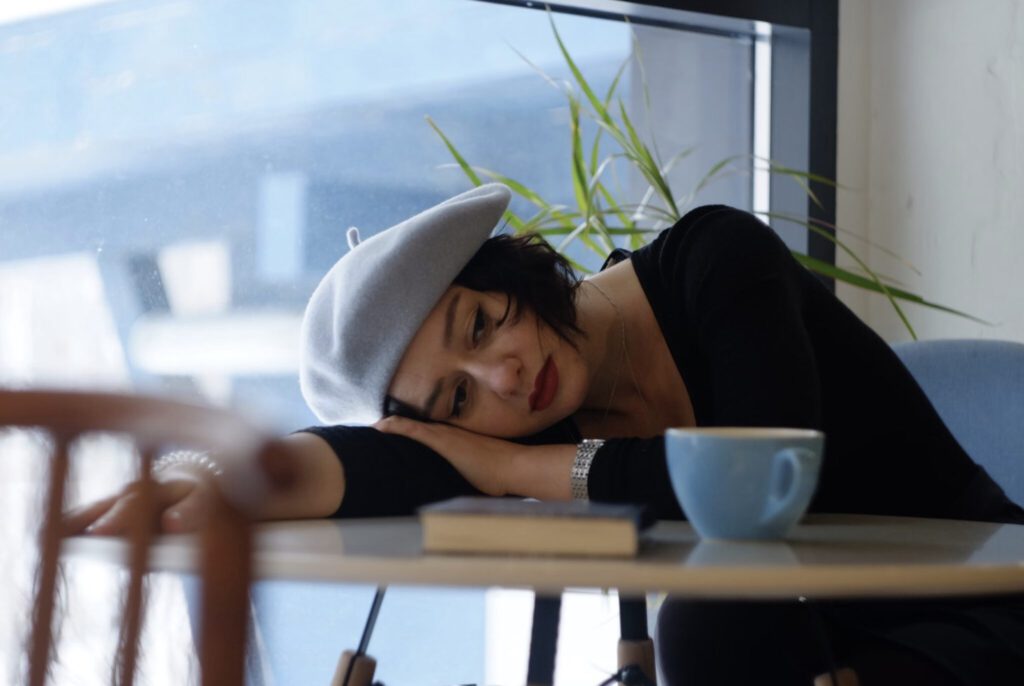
{"x":459,"y":400}
{"x":479,"y":325}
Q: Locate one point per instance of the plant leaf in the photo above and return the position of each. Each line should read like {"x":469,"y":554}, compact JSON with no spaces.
{"x":463,"y":164}
{"x":871,"y":244}
{"x":876,"y":284}
{"x":556,"y":211}
{"x":854,"y":279}
{"x":557,"y":85}
{"x":648,"y":167}
{"x":712,"y":173}
{"x":594,"y":150}
{"x":639,"y":56}
{"x":872,"y":277}
{"x":577,"y":74}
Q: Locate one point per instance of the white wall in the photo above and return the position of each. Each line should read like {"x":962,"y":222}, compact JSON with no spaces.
{"x":931,"y":148}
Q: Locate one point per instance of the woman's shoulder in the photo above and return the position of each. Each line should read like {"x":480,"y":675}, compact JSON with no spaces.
{"x":709,"y":226}
{"x":711,"y":237}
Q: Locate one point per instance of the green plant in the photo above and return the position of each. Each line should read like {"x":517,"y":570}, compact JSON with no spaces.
{"x":599,"y":217}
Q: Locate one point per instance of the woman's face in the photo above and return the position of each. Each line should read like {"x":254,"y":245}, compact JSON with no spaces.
{"x":474,"y":365}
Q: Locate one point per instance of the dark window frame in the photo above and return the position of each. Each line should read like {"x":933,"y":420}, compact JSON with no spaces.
{"x":821,"y":20}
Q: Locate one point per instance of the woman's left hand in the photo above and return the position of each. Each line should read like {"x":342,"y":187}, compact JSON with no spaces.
{"x":486,"y":462}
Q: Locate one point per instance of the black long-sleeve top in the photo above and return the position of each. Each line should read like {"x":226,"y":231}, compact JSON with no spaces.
{"x":758,"y":341}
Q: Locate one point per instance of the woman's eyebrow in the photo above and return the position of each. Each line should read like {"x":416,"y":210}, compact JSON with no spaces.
{"x":449,"y":325}
{"x":449,"y":320}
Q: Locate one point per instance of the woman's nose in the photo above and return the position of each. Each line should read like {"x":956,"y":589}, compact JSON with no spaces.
{"x":502,"y":376}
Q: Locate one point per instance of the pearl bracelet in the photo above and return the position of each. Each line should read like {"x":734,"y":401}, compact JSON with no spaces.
{"x":187,"y":457}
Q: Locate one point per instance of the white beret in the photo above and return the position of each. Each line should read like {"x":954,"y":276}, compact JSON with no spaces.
{"x":369,"y":306}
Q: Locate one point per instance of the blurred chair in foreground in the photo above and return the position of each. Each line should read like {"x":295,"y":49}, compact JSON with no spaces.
{"x":225,"y":553}
{"x":977,"y":387}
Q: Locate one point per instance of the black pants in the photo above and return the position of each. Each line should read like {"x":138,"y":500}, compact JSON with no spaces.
{"x":940,"y":643}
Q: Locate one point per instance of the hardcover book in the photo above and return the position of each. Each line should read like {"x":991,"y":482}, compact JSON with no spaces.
{"x":509,"y":525}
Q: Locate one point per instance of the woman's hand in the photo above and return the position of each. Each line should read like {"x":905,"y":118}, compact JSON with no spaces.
{"x":304,"y":476}
{"x":181,"y":501}
{"x":493,"y":465}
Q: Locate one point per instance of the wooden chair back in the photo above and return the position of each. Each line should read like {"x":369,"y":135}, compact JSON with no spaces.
{"x":225,"y":552}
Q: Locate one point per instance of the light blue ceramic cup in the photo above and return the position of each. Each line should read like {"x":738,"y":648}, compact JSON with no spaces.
{"x":743,"y":483}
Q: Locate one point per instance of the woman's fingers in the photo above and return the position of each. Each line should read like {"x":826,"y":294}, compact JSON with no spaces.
{"x":188,"y":513}
{"x":395,"y":424}
{"x":176,"y":507}
{"x":430,"y":434}
{"x":79,"y":518}
{"x":115,"y":521}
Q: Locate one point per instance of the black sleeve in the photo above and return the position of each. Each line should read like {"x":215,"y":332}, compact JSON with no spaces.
{"x":632,"y":470}
{"x":724,"y":283}
{"x":388,"y":475}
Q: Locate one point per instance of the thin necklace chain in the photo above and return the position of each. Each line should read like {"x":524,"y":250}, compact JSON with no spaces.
{"x":625,"y":355}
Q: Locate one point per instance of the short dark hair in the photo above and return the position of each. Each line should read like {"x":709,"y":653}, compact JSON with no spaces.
{"x":532,"y":274}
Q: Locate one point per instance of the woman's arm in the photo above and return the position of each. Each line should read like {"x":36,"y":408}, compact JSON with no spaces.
{"x":628,"y":470}
{"x":387,"y":475}
{"x":315,"y":488}
{"x":493,"y":465}
{"x":319,"y":487}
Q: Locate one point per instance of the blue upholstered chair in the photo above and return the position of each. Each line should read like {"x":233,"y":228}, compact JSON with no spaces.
{"x":977,"y":386}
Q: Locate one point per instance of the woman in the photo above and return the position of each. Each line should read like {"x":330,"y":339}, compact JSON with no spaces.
{"x":433,"y":332}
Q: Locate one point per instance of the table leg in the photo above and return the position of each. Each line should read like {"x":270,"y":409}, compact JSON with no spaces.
{"x":635,"y":644}
{"x":544,"y":640}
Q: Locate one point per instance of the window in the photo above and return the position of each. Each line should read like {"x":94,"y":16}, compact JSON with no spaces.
{"x":176,"y":176}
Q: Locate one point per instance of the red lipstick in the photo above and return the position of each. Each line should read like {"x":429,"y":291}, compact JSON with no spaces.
{"x":544,"y":386}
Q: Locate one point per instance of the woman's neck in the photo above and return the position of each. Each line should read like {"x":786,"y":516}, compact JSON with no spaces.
{"x":615,"y":391}
{"x":635,"y":386}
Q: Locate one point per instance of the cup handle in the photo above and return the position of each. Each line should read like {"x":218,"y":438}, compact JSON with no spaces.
{"x":779,"y":503}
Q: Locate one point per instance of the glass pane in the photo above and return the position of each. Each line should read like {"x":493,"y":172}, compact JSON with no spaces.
{"x":177,"y":175}
{"x":203,"y":162}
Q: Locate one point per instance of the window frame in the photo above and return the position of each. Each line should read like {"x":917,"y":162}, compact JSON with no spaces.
{"x":820,"y":18}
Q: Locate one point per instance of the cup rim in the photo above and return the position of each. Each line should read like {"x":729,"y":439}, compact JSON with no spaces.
{"x":743,"y":432}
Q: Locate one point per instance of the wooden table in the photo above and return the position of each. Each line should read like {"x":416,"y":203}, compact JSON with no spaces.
{"x":827,"y":556}
{"x":833,"y":556}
